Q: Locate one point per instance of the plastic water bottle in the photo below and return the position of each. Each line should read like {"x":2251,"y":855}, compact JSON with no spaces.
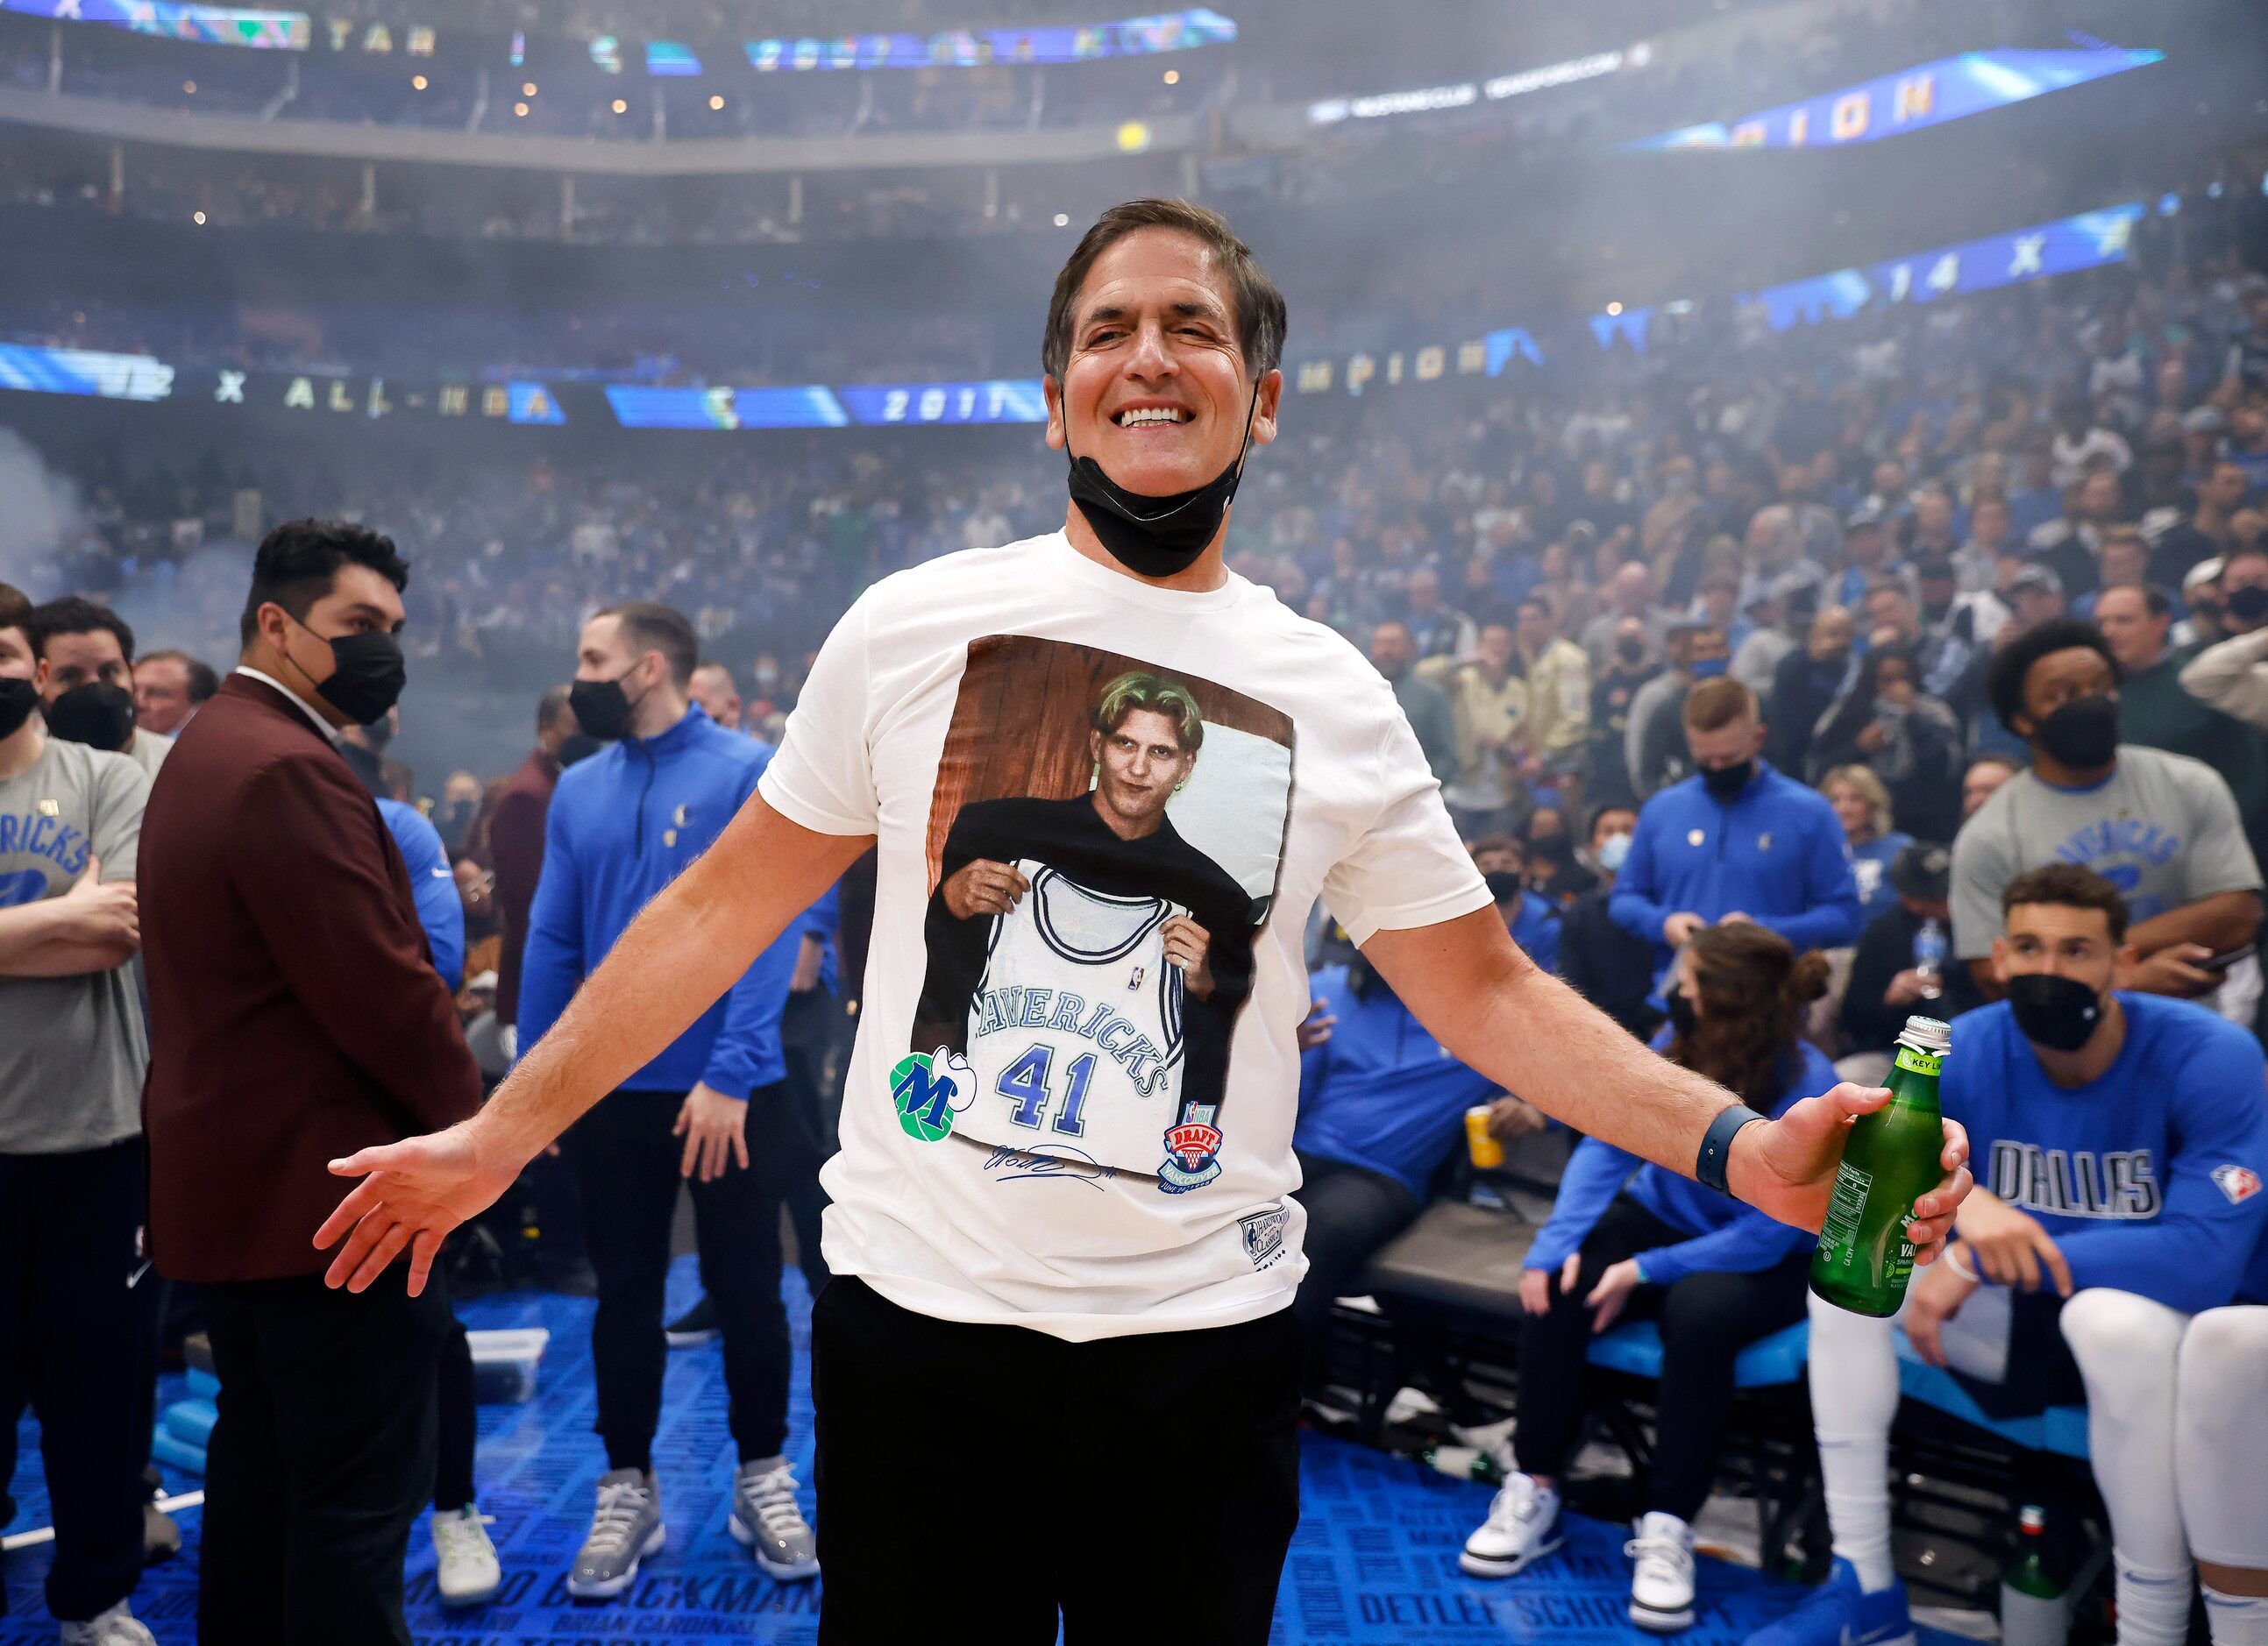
{"x":1929,"y":958}
{"x":2033,"y":1606}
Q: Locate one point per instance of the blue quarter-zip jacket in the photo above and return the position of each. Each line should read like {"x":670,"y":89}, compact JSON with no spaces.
{"x":440,"y":907}
{"x":1726,"y":1238}
{"x":624,"y":825}
{"x":1381,"y":1093}
{"x":1774,"y":852}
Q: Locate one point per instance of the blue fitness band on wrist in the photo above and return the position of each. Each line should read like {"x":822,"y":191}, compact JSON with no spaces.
{"x":1716,"y":1145}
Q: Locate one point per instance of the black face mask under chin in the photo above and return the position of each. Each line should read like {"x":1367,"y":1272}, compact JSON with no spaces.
{"x":1156,"y":537}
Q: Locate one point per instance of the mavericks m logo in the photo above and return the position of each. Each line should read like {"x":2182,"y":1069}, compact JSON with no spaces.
{"x":2076,"y":1183}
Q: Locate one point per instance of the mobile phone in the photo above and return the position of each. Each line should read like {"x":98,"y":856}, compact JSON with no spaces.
{"x":2222,"y":962}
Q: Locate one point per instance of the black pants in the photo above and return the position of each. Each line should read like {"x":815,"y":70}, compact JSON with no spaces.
{"x":75,"y":1329}
{"x":1145,"y":1486}
{"x":627,"y":1163}
{"x":807,"y":1131}
{"x":321,"y":1461}
{"x":1351,"y":1212}
{"x":456,"y":1424}
{"x":1705,"y":1320}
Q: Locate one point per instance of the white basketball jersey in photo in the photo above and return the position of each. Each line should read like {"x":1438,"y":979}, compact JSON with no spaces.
{"x":1075,"y":1031}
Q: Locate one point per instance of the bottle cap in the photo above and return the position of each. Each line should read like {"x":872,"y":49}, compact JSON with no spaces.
{"x":1927,"y":1034}
{"x":2032,"y":1518}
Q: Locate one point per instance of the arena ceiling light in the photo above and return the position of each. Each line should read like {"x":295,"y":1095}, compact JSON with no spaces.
{"x":1467,"y":93}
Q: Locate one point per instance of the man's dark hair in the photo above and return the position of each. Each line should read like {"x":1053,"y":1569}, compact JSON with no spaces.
{"x":2071,"y":886}
{"x":72,"y":616}
{"x":650,"y":626}
{"x":553,"y":704}
{"x":2004,"y":686}
{"x":15,"y":610}
{"x":1258,"y":304}
{"x":1487,"y":844}
{"x":299,"y":563}
{"x":203,"y":681}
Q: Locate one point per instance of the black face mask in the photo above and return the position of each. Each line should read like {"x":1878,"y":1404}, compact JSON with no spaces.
{"x":17,"y":699}
{"x":2083,"y":733}
{"x":1505,"y":886}
{"x":1724,"y":781}
{"x":602,"y":709}
{"x":581,"y":746}
{"x":1156,"y":537}
{"x":2057,"y":1012}
{"x":367,"y":675}
{"x":1682,"y":1018}
{"x":97,"y":714}
{"x":2248,"y":605}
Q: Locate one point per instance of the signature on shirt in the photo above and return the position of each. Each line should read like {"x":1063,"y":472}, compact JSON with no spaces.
{"x":1048,"y":1160}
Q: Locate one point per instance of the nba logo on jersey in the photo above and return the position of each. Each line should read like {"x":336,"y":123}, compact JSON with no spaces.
{"x":2238,"y":1183}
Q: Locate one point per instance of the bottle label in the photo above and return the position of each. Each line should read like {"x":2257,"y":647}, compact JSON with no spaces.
{"x":1841,"y":1228}
{"x":1916,"y":1062}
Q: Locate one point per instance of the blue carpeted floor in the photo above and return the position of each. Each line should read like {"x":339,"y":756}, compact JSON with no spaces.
{"x":1374,"y":1562}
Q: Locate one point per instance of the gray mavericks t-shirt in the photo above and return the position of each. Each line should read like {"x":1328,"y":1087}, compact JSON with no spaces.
{"x":72,"y":1049}
{"x":2161,"y":827}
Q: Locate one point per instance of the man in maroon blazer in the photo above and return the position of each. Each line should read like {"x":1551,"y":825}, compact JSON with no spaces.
{"x":295,"y":1016}
{"x":516,"y":842}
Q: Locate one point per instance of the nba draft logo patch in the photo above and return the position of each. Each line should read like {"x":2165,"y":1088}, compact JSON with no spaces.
{"x":923,"y":1087}
{"x":1192,"y":1149}
{"x":1263,"y":1235}
{"x":2238,"y":1183}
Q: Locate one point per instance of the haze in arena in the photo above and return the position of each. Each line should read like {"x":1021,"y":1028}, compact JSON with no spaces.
{"x":855,"y":821}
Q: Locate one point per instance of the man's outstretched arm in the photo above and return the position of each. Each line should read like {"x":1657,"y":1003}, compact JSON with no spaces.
{"x":1504,"y":1017}
{"x":690,"y":944}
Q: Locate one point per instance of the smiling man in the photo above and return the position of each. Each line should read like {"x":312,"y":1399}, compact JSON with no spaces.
{"x":1097,"y":1376}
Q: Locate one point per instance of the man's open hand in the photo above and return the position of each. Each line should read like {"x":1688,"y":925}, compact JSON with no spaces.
{"x":1786,"y":1168}
{"x":984,"y":887}
{"x":411,"y":1195}
{"x":715,"y":1128}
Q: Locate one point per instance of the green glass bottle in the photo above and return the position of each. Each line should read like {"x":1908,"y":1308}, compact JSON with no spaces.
{"x":2033,"y":1608}
{"x":1889,"y":1161}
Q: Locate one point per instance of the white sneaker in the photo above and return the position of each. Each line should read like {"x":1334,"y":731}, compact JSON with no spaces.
{"x":1523,"y":1527}
{"x":466,"y":1570}
{"x":117,"y":1627}
{"x":1661,"y":1587}
{"x":766,"y":1520}
{"x":626,"y":1528}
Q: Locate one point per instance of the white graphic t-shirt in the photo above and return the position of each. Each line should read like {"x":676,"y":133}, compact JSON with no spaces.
{"x":1076,"y":1116}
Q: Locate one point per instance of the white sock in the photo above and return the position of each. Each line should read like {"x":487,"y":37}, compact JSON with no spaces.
{"x":2236,"y":1620}
{"x":2153,"y":1606}
{"x":1854,"y":1398}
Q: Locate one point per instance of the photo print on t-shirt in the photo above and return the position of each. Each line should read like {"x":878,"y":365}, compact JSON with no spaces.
{"x":1104,"y":843}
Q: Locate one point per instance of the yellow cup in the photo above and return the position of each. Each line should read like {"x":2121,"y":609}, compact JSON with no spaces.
{"x":1487,"y":1153}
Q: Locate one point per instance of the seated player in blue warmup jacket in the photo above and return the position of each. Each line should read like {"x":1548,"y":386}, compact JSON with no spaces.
{"x":1630,"y":1241}
{"x":1735,"y":838}
{"x":1381,"y":1105}
{"x":622,"y":824}
{"x":2120,"y":1140}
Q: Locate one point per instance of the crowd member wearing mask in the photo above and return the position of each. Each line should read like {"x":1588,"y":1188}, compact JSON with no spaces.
{"x":1655,"y":743}
{"x":295,"y":1016}
{"x":1604,"y":964}
{"x":1531,"y":917}
{"x":1805,"y":684}
{"x":1737,"y":840}
{"x":86,"y":680}
{"x":1631,"y":665}
{"x":74,"y":1292}
{"x":2162,"y":827}
{"x":709,"y":1110}
{"x":1164,"y":1287}
{"x":1887,"y":725}
{"x":1628,"y":1240}
{"x":2119,"y":1217}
